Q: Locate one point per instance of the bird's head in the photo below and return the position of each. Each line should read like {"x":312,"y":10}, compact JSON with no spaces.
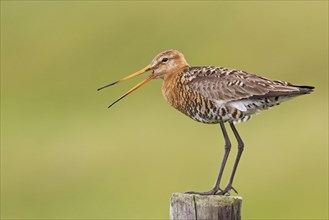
{"x":169,"y":61}
{"x":163,"y":64}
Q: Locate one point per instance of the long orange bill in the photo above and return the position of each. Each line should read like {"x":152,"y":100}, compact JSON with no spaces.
{"x":145,"y":69}
{"x":149,"y":78}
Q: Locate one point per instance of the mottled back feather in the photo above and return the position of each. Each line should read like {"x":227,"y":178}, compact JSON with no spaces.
{"x":219,"y":83}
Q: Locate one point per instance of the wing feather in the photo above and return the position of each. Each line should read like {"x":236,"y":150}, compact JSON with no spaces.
{"x":222,"y":84}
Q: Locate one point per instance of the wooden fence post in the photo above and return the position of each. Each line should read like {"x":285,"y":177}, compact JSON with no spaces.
{"x":197,"y":207}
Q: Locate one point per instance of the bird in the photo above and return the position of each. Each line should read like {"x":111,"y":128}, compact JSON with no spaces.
{"x":215,"y":95}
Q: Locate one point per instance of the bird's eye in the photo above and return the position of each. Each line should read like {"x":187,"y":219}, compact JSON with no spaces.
{"x":165,"y":59}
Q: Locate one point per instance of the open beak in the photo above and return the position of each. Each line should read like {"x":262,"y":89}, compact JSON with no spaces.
{"x":145,"y":69}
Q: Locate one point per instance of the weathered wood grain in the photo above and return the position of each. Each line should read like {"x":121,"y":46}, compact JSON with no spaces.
{"x":196,"y":207}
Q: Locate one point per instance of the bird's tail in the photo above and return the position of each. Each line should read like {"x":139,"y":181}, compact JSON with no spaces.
{"x":305,"y":89}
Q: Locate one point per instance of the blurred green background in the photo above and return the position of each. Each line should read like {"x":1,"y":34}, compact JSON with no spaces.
{"x":65,"y":155}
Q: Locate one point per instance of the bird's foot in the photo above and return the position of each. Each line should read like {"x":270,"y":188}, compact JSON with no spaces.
{"x":227,"y":190}
{"x":210,"y":192}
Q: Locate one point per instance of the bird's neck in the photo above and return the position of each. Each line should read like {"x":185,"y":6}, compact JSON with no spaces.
{"x":174,"y":73}
{"x":170,"y":86}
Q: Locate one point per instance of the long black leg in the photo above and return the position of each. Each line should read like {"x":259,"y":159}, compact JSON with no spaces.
{"x":238,"y":156}
{"x":220,"y":174}
{"x":227,"y":152}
